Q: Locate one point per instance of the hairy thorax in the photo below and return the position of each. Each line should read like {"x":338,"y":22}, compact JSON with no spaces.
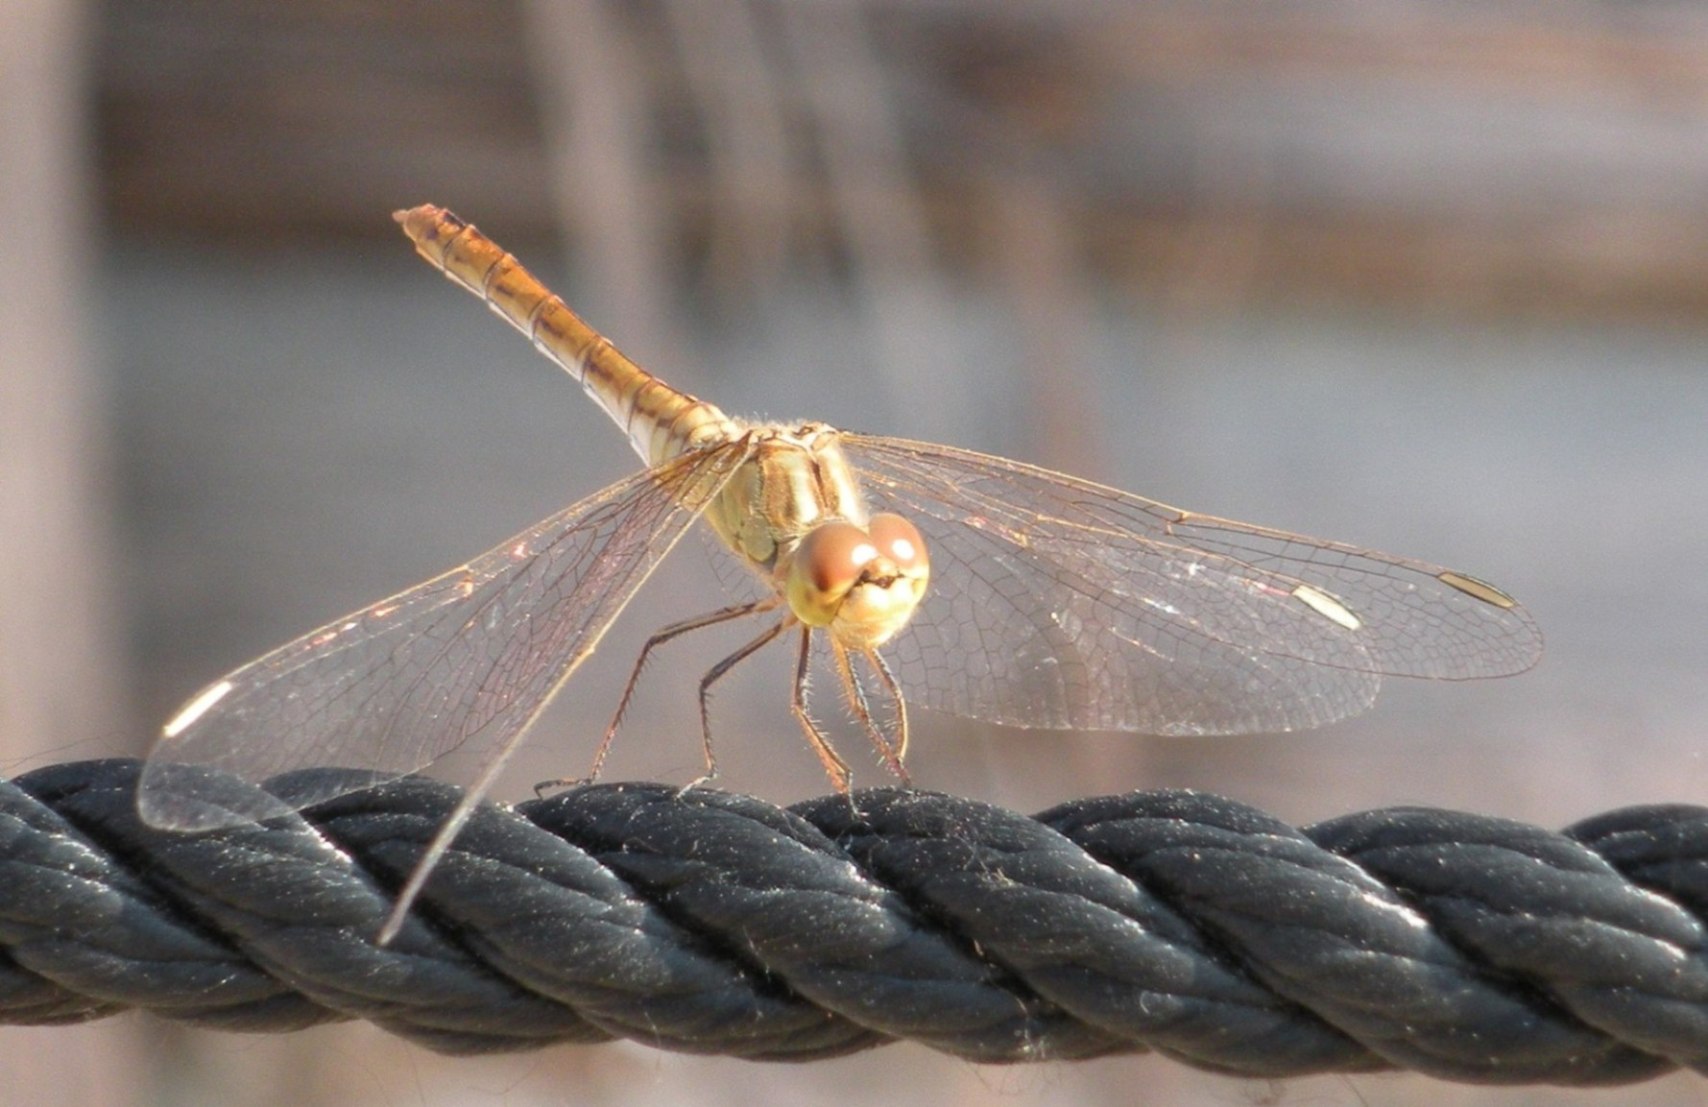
{"x":794,"y":478}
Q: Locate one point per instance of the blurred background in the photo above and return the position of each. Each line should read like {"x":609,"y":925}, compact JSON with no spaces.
{"x":1425,"y":277}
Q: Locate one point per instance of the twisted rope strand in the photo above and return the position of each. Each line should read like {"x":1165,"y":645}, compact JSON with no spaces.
{"x":1461,"y":946}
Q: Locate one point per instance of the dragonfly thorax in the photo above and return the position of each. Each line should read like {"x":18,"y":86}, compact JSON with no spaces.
{"x":794,"y":513}
{"x":792,"y":480}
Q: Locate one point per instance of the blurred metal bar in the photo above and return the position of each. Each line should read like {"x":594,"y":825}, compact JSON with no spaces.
{"x":59,"y":666}
{"x":58,"y":651}
{"x":596,"y":103}
{"x":878,"y":204}
{"x":860,"y":140}
{"x":754,"y":180}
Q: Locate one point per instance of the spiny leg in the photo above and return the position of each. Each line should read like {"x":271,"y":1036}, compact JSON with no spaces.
{"x":856,"y":698}
{"x":716,"y":674}
{"x":674,"y":630}
{"x":899,"y":745}
{"x":834,"y":766}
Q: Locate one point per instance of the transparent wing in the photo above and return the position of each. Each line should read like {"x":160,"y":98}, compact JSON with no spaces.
{"x":1057,"y":602}
{"x":469,"y":656}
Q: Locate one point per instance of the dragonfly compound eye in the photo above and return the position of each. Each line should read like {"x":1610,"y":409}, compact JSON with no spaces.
{"x":827,"y":563}
{"x":900,"y":541}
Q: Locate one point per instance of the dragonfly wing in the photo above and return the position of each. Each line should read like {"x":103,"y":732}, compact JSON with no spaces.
{"x":472,"y":655}
{"x":1058,"y":602}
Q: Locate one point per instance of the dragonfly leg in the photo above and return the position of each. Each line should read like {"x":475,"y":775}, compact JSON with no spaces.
{"x":899,"y":746}
{"x":855,"y":695}
{"x":717,"y":673}
{"x":674,"y":630}
{"x":834,"y":766}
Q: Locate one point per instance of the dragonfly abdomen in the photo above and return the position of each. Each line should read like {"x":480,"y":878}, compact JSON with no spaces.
{"x":661,"y":421}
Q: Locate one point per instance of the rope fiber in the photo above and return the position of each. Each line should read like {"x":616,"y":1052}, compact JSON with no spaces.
{"x":1462,"y":946}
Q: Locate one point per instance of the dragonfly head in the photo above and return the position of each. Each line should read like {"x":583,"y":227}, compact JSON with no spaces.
{"x":861,"y":583}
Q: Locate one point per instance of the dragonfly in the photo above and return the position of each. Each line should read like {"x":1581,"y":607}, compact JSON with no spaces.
{"x":931,"y":575}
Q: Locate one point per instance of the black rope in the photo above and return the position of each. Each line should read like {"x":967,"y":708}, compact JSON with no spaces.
{"x":1461,"y":946}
